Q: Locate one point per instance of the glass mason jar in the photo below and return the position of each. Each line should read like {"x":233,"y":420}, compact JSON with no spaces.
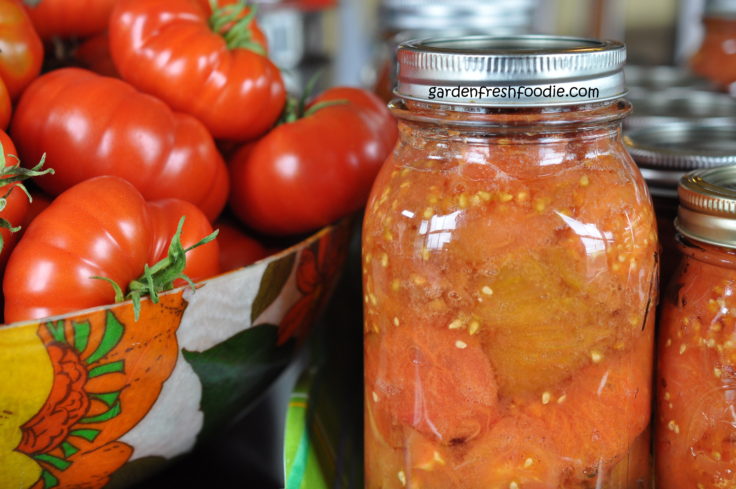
{"x":403,"y":20}
{"x":696,"y":385}
{"x":509,"y":273}
{"x":665,"y":153}
{"x":715,"y":59}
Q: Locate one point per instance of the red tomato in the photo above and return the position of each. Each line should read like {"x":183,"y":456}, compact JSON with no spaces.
{"x":203,"y":261}
{"x":91,"y":125}
{"x":5,"y":106}
{"x":167,"y":48}
{"x":101,"y":227}
{"x":306,"y":174}
{"x":94,"y":54}
{"x":17,"y":204}
{"x":312,"y":5}
{"x":237,"y":249}
{"x":63,"y":18}
{"x":39,"y":202}
{"x":21,"y":50}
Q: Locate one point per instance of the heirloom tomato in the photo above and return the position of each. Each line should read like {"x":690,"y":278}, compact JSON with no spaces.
{"x":102,"y":227}
{"x":237,"y":249}
{"x":94,"y":54}
{"x":39,"y":201}
{"x":21,"y":51}
{"x":202,"y":63}
{"x":5,"y":106}
{"x":62,"y":18}
{"x":307,"y":173}
{"x":16,"y":205}
{"x":92,"y":125}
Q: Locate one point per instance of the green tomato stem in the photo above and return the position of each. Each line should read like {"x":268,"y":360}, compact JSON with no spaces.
{"x":160,"y":276}
{"x":229,"y":22}
{"x":323,"y":105}
{"x":296,"y":109}
{"x":14,"y":174}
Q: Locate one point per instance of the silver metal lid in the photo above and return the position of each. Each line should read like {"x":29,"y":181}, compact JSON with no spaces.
{"x":514,"y":71}
{"x":720,"y":8}
{"x":664,"y":107}
{"x":499,"y":16}
{"x":707,"y":210}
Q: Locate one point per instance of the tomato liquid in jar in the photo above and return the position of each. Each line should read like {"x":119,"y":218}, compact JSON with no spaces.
{"x":510,"y":276}
{"x":696,"y":384}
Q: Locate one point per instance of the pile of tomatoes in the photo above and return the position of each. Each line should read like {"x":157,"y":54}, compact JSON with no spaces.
{"x":167,"y":116}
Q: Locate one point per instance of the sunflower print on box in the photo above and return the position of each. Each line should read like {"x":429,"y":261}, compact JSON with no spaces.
{"x":83,"y":395}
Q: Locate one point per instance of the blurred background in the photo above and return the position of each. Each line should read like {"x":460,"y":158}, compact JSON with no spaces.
{"x":344,"y":34}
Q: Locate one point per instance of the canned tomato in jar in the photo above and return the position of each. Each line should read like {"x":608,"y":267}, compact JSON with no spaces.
{"x":664,"y":154}
{"x":510,"y":273}
{"x":715,"y":59}
{"x":696,"y":384}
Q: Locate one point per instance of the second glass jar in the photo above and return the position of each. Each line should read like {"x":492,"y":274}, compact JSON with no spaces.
{"x":696,"y":375}
{"x":510,"y":276}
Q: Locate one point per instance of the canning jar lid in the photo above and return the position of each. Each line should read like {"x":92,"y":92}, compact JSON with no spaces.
{"x":664,"y":153}
{"x":437,"y":15}
{"x":505,"y":71}
{"x":707,"y":210}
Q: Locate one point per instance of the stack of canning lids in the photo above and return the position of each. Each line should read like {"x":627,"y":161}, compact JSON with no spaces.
{"x":664,"y":153}
{"x":660,"y":77}
{"x":667,"y":94}
{"x":655,"y":108}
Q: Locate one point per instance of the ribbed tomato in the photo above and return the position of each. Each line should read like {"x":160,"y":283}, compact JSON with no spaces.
{"x":63,"y":18}
{"x":90,"y":125}
{"x":101,"y":227}
{"x":16,"y":205}
{"x":199,"y":62}
{"x":94,"y":54}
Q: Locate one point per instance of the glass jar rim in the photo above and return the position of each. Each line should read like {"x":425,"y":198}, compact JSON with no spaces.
{"x":511,"y":118}
{"x":713,"y":254}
